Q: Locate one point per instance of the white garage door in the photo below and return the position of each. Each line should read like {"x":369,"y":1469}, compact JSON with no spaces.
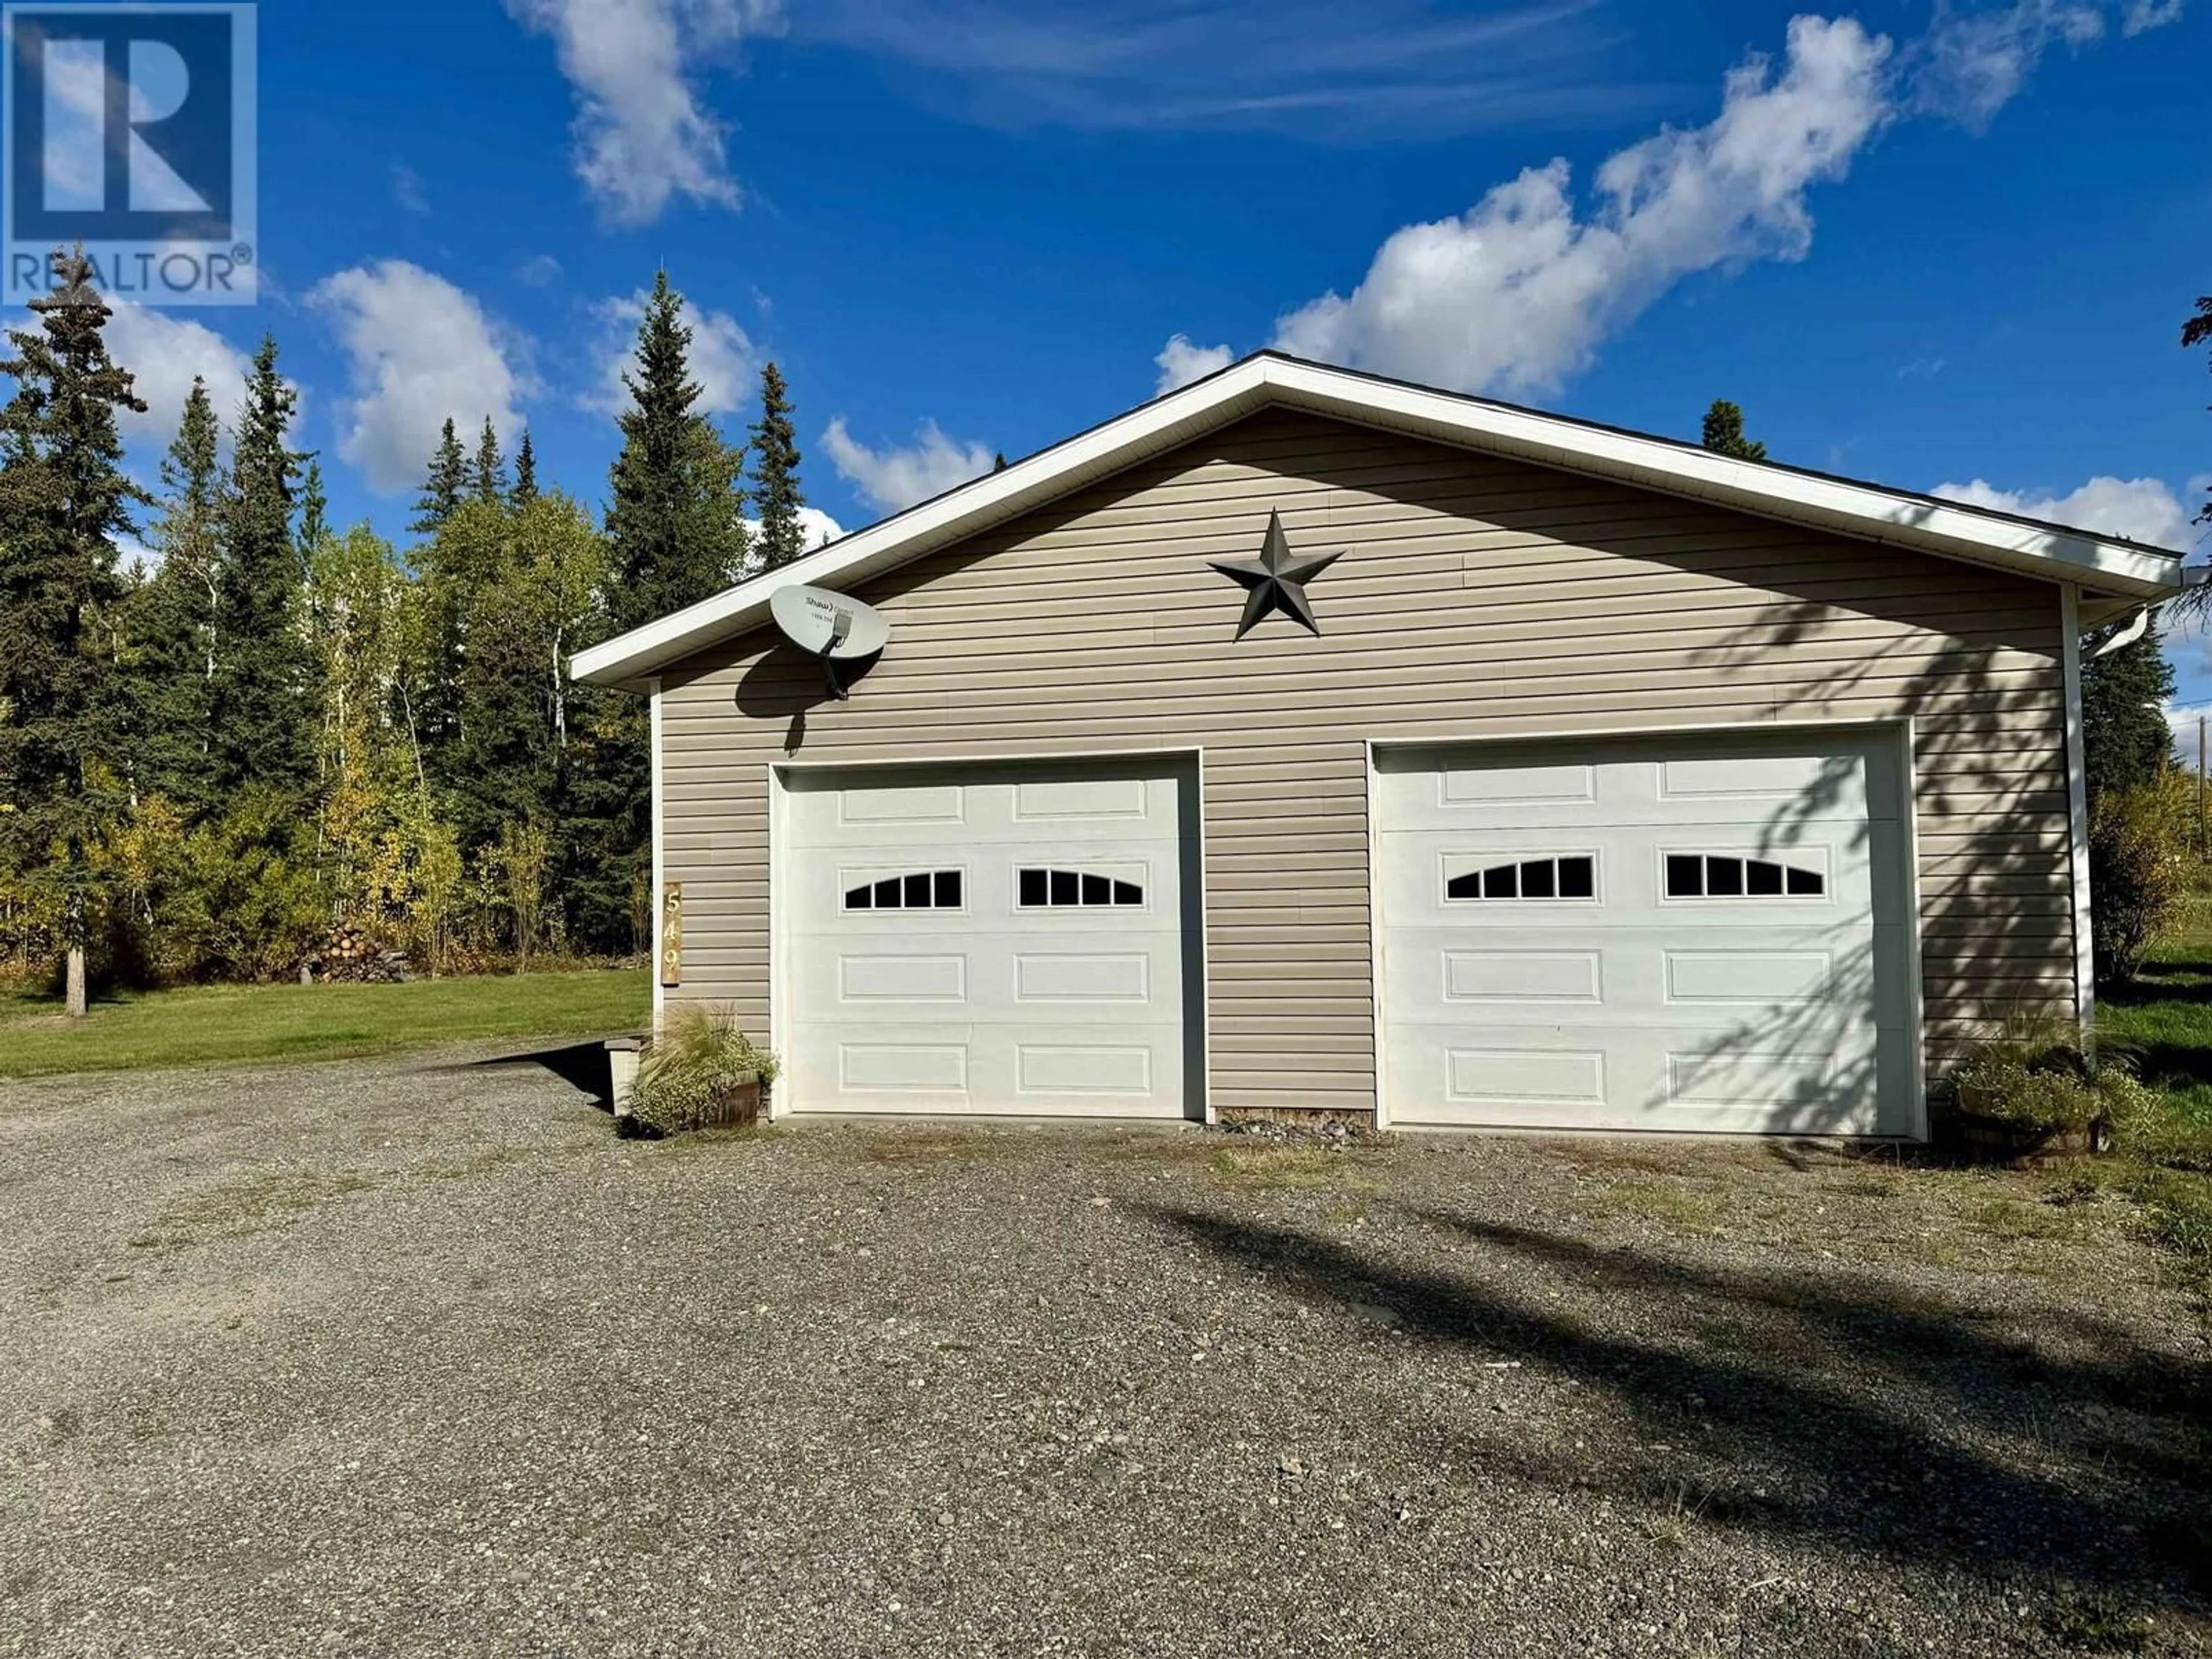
{"x":991,"y":940}
{"x":1665,"y":935}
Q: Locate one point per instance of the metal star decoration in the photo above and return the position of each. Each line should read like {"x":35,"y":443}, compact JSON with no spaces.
{"x":1276,"y":580}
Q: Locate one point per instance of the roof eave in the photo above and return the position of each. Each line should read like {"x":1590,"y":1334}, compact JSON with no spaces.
{"x":2120,"y":571}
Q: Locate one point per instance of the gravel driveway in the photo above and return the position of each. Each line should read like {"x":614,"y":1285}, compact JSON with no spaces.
{"x":415,"y":1357}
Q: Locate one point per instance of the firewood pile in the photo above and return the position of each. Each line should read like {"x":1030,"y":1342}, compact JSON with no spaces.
{"x":355,"y":956}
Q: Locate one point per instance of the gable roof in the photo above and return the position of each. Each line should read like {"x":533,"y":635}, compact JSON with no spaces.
{"x":2113,"y":568}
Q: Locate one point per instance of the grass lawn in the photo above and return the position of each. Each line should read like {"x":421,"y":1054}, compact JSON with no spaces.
{"x":222,"y":1024}
{"x":2163,"y":1023}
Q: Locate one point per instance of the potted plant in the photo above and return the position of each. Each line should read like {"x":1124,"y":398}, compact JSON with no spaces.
{"x":698,"y":1071}
{"x":2035,"y":1091}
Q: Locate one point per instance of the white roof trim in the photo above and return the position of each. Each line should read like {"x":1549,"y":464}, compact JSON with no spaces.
{"x":2122,"y":570}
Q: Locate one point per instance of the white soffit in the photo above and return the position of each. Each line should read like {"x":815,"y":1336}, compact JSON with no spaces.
{"x":2121,"y":570}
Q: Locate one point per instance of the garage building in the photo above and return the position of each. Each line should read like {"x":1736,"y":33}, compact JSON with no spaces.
{"x":1617,"y":784}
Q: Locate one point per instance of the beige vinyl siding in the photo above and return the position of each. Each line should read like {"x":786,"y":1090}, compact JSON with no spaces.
{"x":1477,"y":597}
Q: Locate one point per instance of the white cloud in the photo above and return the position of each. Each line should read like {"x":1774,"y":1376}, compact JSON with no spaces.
{"x":643,"y":135}
{"x":131,"y":554}
{"x":2141,"y":509}
{"x":722,"y":360}
{"x":163,"y":351}
{"x":1969,"y":64}
{"x":1388,"y":70}
{"x":2141,"y":15}
{"x":538,"y":270}
{"x":407,"y":188}
{"x":894,"y":477}
{"x":422,"y":350}
{"x":1518,"y":291}
{"x":1180,"y":362}
{"x":816,"y":527}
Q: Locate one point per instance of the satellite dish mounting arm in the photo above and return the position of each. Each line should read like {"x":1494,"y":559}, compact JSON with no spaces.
{"x":838,"y":633}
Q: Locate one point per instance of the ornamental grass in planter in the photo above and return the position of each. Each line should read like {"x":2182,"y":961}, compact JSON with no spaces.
{"x":2034,"y":1092}
{"x":701,"y":1071}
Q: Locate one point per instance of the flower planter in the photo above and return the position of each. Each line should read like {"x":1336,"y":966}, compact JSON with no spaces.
{"x":739,"y":1105}
{"x":2001,"y":1141}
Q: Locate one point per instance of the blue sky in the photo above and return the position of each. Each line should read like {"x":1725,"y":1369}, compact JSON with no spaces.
{"x":1947,"y":247}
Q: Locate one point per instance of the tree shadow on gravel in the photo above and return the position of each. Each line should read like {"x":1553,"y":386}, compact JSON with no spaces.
{"x":1849,"y":1415}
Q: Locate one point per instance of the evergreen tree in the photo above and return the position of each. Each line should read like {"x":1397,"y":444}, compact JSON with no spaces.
{"x":314,"y":508}
{"x":776,"y":488}
{"x":526,"y":473}
{"x":674,"y":535}
{"x":1724,"y":432}
{"x":2124,"y":737}
{"x":263,"y":730}
{"x":674,"y":526}
{"x":444,"y":485}
{"x":63,"y":499}
{"x":998,"y":462}
{"x":175,"y":615}
{"x":490,"y":472}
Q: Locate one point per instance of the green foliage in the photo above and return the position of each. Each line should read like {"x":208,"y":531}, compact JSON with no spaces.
{"x":526,"y":473}
{"x":262,"y":729}
{"x":674,"y":535}
{"x":2138,"y":869}
{"x":314,"y":508}
{"x":63,"y":499}
{"x":2125,"y":739}
{"x":244,"y":899}
{"x":442,"y":488}
{"x":692,"y":1068}
{"x":1723,"y":432}
{"x":285,"y":728}
{"x":171,"y":665}
{"x":775,"y":491}
{"x":674,"y":525}
{"x":489,"y":476}
{"x":2008,"y":1093}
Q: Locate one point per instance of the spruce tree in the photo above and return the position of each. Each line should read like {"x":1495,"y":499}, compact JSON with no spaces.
{"x":2124,"y":737}
{"x":63,"y":499}
{"x":444,"y":485}
{"x":175,"y":617}
{"x":1724,"y":432}
{"x":525,"y":474}
{"x":674,"y":535}
{"x":775,"y":491}
{"x":489,"y":475}
{"x":263,"y":731}
{"x":674,"y":523}
{"x":314,"y":508}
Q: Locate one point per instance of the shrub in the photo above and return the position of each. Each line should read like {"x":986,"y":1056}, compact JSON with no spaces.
{"x":693,"y":1068}
{"x":2138,"y":869}
{"x":2036,"y":1074}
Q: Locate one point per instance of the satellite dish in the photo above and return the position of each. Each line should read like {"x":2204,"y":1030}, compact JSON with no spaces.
{"x":829,"y":627}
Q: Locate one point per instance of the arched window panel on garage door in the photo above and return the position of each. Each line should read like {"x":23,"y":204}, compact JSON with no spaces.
{"x":1042,"y":888}
{"x":1733,"y":876}
{"x":926,"y":890}
{"x":1571,"y":876}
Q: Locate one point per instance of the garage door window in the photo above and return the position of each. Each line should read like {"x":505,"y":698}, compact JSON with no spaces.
{"x":1730,"y":875}
{"x":931,"y":890}
{"x":1073,"y":889}
{"x":1571,"y":878}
